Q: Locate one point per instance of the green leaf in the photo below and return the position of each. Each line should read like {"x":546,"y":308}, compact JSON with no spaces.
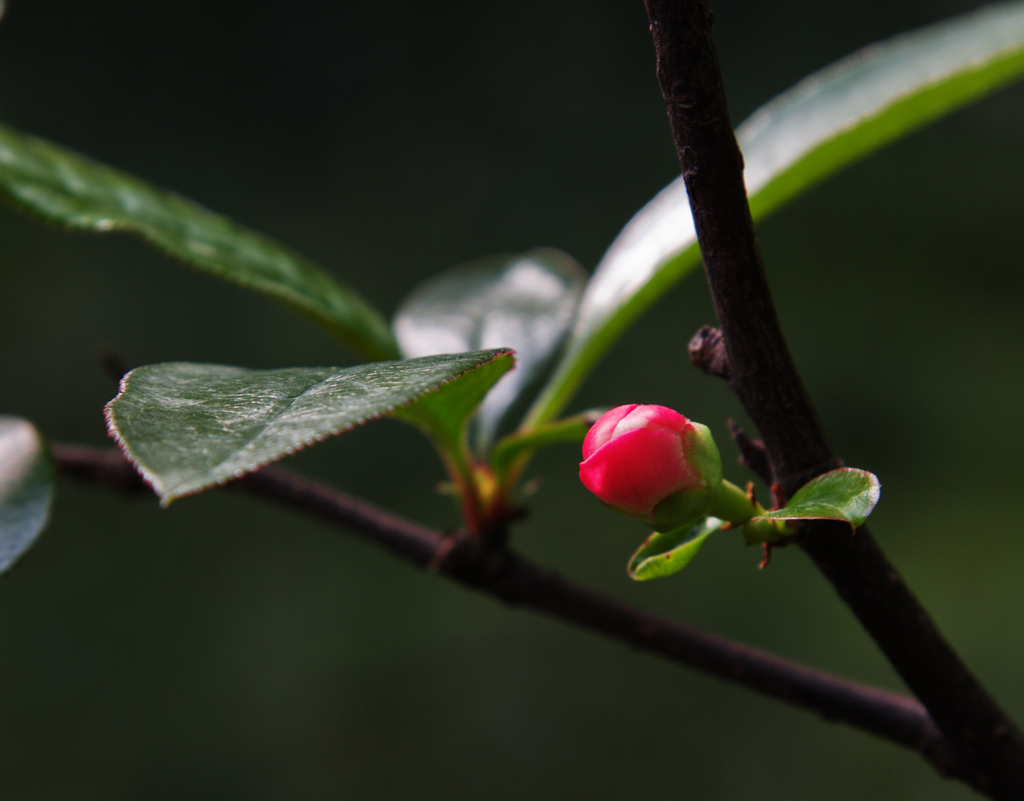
{"x":26,"y":488}
{"x":188,"y":427}
{"x":65,"y":188}
{"x":523,"y":302}
{"x":664,"y":554}
{"x":844,"y":494}
{"x":814,"y":129}
{"x":444,"y":415}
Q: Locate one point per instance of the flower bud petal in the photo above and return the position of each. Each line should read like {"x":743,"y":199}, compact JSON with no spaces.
{"x":651,"y":463}
{"x":636,"y":471}
{"x":604,"y":428}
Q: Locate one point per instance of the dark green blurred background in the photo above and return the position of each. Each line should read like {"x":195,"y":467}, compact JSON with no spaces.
{"x":224,"y":649}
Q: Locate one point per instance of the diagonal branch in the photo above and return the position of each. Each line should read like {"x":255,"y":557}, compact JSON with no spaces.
{"x":762,"y":374}
{"x":518,"y":582}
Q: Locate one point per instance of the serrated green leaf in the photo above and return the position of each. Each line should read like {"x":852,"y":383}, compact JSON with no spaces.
{"x":663,"y":554}
{"x":844,"y":494}
{"x":188,"y":427}
{"x":75,"y":192}
{"x":821,"y":125}
{"x":443,"y":415}
{"x":523,"y":302}
{"x":26,"y":488}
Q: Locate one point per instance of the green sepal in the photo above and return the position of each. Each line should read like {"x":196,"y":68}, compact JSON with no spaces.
{"x":686,"y":506}
{"x":663,"y":554}
{"x":845,"y":494}
{"x":680,"y":509}
{"x":702,"y":453}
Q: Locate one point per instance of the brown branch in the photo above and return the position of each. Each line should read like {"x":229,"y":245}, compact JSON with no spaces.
{"x":764,"y":377}
{"x":517,"y":582}
{"x":98,"y":466}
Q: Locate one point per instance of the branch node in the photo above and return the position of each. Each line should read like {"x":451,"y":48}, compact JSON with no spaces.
{"x":447,"y":553}
{"x":707,"y":352}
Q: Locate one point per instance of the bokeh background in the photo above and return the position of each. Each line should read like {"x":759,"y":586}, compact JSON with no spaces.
{"x":225,"y":649}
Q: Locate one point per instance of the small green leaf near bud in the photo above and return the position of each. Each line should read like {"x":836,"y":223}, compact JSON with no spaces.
{"x":845,"y":494}
{"x":664,"y":554}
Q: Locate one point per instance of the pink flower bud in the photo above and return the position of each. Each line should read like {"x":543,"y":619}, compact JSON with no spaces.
{"x":651,"y":463}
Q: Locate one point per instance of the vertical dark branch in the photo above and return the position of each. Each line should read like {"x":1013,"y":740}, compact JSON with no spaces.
{"x":762,"y":374}
{"x":762,"y":371}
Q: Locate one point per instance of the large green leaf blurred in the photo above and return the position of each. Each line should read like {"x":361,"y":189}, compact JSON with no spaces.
{"x":26,"y":488}
{"x":188,"y":427}
{"x":822,"y":124}
{"x":72,"y":191}
{"x":523,"y":302}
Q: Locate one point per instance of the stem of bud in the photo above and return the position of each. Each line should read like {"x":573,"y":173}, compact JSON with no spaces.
{"x":730,"y":503}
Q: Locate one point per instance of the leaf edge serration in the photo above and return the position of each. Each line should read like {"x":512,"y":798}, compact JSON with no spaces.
{"x":169,"y":495}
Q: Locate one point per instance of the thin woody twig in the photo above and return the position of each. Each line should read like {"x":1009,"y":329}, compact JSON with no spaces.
{"x":762,"y":374}
{"x":753,"y":456}
{"x":518,"y":582}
